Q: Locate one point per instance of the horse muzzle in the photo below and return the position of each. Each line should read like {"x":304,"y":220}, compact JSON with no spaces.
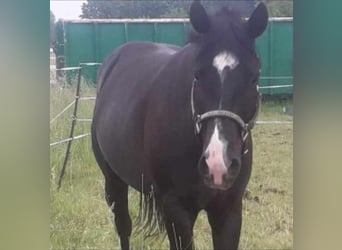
{"x":218,"y":172}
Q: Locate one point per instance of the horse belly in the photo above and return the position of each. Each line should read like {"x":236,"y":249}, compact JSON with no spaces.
{"x":119,"y":119}
{"x":119,"y":134}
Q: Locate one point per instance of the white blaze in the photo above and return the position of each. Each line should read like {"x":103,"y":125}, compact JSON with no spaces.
{"x":224,"y":59}
{"x":215,"y":161}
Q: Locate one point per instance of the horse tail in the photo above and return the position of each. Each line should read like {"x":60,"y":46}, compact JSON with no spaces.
{"x":150,"y":222}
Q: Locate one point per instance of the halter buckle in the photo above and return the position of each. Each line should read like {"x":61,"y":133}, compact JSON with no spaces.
{"x":198,"y":126}
{"x":244,"y":133}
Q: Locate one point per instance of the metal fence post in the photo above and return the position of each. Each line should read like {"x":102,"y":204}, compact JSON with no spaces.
{"x":73,"y":123}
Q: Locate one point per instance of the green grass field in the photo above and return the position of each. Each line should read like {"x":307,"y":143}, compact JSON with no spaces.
{"x":80,"y":218}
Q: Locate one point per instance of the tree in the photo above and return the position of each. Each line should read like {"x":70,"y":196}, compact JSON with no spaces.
{"x":52,"y":28}
{"x":282,"y":8}
{"x":123,"y":9}
{"x":154,"y":9}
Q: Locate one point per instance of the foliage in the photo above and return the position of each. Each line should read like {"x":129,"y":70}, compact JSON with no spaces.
{"x":52,"y":28}
{"x":123,"y":9}
{"x":282,"y":8}
{"x":173,"y":9}
{"x":153,"y":9}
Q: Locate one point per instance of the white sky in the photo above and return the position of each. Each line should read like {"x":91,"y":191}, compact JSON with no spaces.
{"x":65,"y":9}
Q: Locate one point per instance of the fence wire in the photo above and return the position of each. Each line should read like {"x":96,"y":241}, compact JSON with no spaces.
{"x":94,"y":98}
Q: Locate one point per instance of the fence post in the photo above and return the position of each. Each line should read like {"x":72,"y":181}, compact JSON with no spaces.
{"x":73,"y":123}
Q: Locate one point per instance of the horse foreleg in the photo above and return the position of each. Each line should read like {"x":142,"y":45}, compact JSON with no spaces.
{"x":226,"y":226}
{"x":116,"y":196}
{"x":179,"y":223}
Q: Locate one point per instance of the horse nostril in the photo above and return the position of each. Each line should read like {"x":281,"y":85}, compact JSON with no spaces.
{"x":225,"y":177}
{"x":211,"y":178}
{"x":202,"y":166}
{"x":235,"y":165}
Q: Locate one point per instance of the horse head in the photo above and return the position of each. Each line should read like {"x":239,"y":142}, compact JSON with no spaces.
{"x":224,"y":94}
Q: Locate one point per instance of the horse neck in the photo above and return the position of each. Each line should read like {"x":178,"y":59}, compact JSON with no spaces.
{"x":171,"y":101}
{"x":184,"y":75}
{"x":179,"y":82}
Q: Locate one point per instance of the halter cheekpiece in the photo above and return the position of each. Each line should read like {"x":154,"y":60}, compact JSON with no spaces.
{"x":199,"y":118}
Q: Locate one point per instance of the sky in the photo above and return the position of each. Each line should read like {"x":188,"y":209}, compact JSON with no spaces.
{"x":65,"y":9}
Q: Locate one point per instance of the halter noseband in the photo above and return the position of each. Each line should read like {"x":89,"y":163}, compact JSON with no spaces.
{"x":199,"y":118}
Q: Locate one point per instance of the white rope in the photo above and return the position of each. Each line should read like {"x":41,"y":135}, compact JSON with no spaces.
{"x":69,"y":139}
{"x":78,"y":67}
{"x":90,"y":64}
{"x":88,"y":98}
{"x":65,"y":109}
{"x":84,"y":135}
{"x":68,"y":68}
{"x":274,"y":122}
{"x":84,"y":120}
{"x":153,"y":20}
{"x":275,"y":86}
{"x":276,"y":77}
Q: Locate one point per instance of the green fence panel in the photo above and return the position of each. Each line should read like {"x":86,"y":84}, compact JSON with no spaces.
{"x":79,"y":43}
{"x":93,"y":41}
{"x":173,"y":33}
{"x":275,"y":50}
{"x":110,"y":35}
{"x":79,"y":47}
{"x":262,"y":47}
{"x":281,"y":47}
{"x":140,"y":32}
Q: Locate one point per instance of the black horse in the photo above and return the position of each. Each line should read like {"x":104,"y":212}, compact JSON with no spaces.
{"x":175,"y":122}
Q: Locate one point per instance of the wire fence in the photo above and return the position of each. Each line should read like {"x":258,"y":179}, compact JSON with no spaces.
{"x":74,"y":119}
{"x":77,"y":97}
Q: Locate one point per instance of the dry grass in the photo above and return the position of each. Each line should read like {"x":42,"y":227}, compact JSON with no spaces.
{"x":80,"y":218}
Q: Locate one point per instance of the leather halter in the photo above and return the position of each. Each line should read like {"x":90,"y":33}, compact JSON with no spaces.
{"x":199,"y":118}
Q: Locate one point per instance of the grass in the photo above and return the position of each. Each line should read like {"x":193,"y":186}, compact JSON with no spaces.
{"x":80,"y":218}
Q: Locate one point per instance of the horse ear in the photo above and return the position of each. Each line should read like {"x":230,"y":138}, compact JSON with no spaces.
{"x":257,"y":22}
{"x":199,"y":18}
